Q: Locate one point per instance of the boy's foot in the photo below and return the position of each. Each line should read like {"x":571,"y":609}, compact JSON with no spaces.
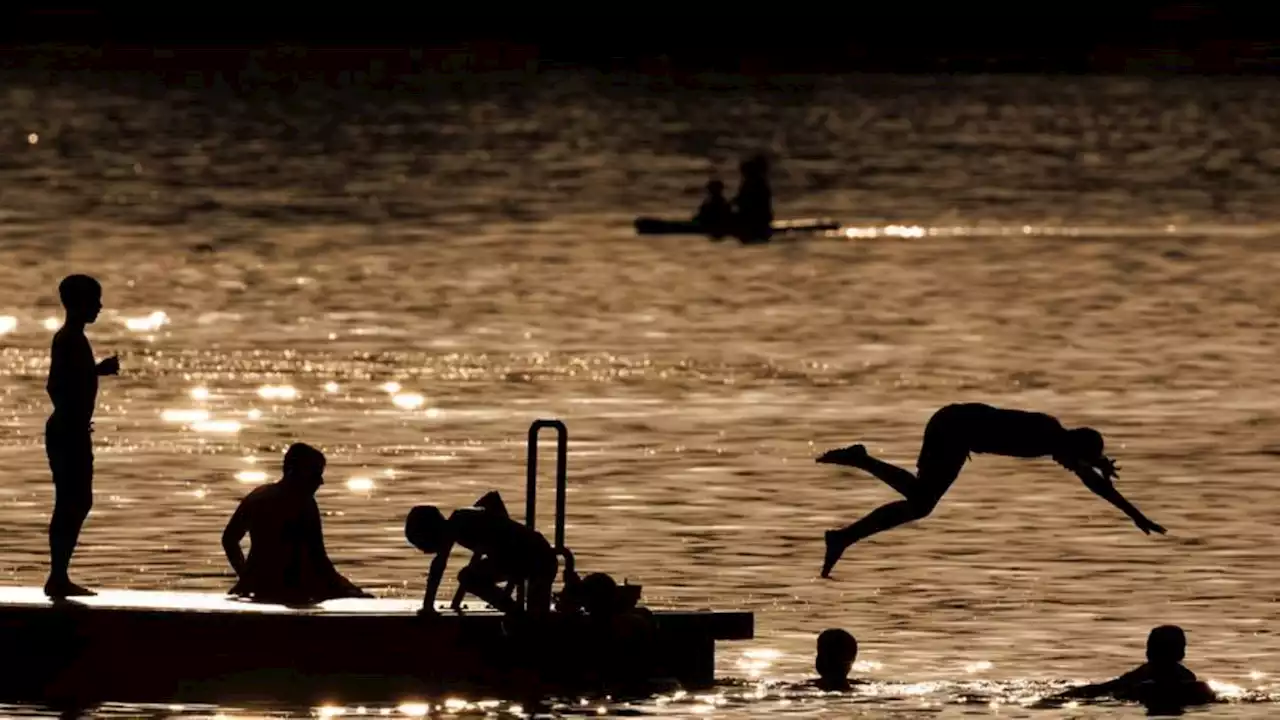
{"x":64,"y":588}
{"x":853,"y":456}
{"x":834,"y":551}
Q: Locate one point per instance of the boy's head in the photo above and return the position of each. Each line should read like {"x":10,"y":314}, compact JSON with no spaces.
{"x":304,"y":467}
{"x":837,"y":650}
{"x":81,"y":295}
{"x":755,"y":166}
{"x":1084,"y":443}
{"x":1166,"y":644}
{"x":424,"y":528}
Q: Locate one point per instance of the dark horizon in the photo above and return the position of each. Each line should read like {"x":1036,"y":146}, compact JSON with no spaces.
{"x":1151,"y":38}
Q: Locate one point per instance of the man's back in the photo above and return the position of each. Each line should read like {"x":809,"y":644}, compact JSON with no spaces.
{"x":283,"y":526}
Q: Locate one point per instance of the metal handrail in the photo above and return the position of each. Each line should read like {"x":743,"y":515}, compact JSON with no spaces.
{"x":531,"y":484}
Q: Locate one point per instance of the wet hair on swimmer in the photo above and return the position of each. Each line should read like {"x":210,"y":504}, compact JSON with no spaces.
{"x":422,"y":527}
{"x":1167,"y":643}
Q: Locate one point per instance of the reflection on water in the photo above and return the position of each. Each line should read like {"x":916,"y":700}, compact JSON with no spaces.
{"x":407,"y":284}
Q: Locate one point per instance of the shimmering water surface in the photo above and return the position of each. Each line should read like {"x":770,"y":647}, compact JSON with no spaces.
{"x":409,"y":281}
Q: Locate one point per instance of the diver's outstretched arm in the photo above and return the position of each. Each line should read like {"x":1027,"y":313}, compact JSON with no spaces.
{"x":1103,"y":488}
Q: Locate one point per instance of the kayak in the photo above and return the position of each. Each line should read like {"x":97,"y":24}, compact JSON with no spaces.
{"x":658,"y":226}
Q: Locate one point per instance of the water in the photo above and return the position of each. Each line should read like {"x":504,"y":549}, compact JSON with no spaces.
{"x":408,"y":282}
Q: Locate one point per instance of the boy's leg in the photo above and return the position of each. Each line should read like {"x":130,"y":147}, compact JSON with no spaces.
{"x":71,"y":462}
{"x":856,"y":456}
{"x":481,"y":579}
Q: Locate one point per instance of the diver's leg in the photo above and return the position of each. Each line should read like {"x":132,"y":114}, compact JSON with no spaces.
{"x":856,"y":456}
{"x":934,"y":481}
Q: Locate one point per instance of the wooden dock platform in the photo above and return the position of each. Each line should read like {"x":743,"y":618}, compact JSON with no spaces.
{"x":148,"y":646}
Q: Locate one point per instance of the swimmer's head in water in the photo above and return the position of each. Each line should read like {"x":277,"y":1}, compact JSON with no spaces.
{"x":1166,"y":644}
{"x":424,"y":528}
{"x":1085,"y":443}
{"x":81,"y":295}
{"x":837,"y":649}
{"x":304,"y":465}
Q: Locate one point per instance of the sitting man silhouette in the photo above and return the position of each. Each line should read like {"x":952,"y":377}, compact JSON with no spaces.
{"x":502,"y":551}
{"x":1162,"y":680}
{"x":287,"y":560}
{"x":951,"y":435}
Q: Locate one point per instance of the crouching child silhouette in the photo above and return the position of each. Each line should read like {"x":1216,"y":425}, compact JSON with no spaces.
{"x":502,"y":551}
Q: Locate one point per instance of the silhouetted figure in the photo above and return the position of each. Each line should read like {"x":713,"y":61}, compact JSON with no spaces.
{"x":73,"y":389}
{"x":952,"y":434}
{"x":502,"y":551}
{"x":1161,"y":682}
{"x":837,"y":651}
{"x":287,"y":561}
{"x":754,"y":201}
{"x":715,"y":214}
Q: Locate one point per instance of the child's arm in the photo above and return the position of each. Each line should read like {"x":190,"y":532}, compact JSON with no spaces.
{"x":434,"y":577}
{"x":110,"y":366}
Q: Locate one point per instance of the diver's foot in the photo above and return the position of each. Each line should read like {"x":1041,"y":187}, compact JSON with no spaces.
{"x":834,"y":551}
{"x":853,"y":456}
{"x":64,"y":588}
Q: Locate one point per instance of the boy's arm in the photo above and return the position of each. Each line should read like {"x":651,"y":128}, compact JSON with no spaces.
{"x":1110,"y":687}
{"x":434,"y":577}
{"x":110,"y":366}
{"x":1104,"y":489}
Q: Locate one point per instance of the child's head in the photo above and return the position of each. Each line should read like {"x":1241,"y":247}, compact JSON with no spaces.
{"x":715,"y":187}
{"x":424,"y":528}
{"x":755,"y":166}
{"x":837,"y":650}
{"x":81,"y":295}
{"x":1166,"y":644}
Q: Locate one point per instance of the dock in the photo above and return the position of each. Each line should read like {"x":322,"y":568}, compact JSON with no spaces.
{"x":148,"y":646}
{"x":196,"y":647}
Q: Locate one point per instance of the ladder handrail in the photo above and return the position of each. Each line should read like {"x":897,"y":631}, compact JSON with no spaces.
{"x":531,"y":483}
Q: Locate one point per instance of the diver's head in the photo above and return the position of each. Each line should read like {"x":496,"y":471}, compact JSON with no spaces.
{"x":304,"y":467}
{"x":1166,"y":644}
{"x":837,"y":650}
{"x":1083,"y":443}
{"x":424,"y":528}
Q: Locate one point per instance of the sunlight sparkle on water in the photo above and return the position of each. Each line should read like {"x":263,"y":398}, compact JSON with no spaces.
{"x":756,"y":661}
{"x":216,"y":426}
{"x":150,"y":322}
{"x":360,"y":484}
{"x":51,"y":323}
{"x":184,"y":416}
{"x":391,"y":387}
{"x":414,"y":709}
{"x":251,"y":476}
{"x":277,"y":392}
{"x":8,"y":324}
{"x":199,"y":393}
{"x":33,"y":138}
{"x":408,"y":401}
{"x":331,"y":387}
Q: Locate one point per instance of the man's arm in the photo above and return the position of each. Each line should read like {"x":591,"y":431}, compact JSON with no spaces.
{"x":1104,"y":489}
{"x":110,"y":366}
{"x":1110,"y":687}
{"x":235,"y":531}
{"x":316,"y":550}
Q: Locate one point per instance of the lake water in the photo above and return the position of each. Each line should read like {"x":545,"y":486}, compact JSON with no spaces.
{"x":408,"y":281}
